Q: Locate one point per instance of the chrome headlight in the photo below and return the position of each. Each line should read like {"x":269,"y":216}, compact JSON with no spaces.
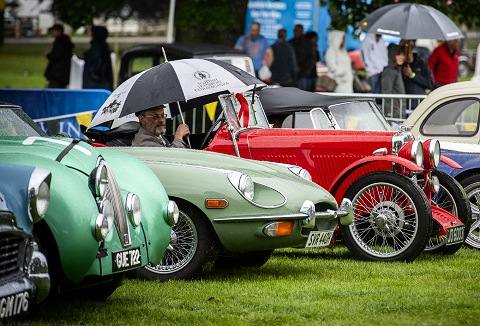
{"x":172,"y":212}
{"x":134,"y":209}
{"x":301,"y":172}
{"x":101,"y":227}
{"x":412,"y":151}
{"x":98,"y":180}
{"x":243,"y":183}
{"x":38,"y":194}
{"x":106,"y":208}
{"x":432,"y":153}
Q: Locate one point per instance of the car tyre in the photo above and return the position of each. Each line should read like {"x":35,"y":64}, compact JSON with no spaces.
{"x":194,"y":248}
{"x":392,"y":218}
{"x":471,"y":185}
{"x":453,"y":199}
{"x":463,"y":69}
{"x":244,"y":259}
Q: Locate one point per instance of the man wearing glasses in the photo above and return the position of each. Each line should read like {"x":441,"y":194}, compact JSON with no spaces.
{"x":152,"y":127}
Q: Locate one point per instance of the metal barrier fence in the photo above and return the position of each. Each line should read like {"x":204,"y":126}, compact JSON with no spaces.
{"x":395,"y":107}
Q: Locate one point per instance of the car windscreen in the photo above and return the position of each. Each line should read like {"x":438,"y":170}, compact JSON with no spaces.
{"x":231,"y":106}
{"x":14,"y":122}
{"x":361,"y":115}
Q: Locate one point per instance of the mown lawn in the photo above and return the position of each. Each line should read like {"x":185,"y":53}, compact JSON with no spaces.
{"x":296,"y":287}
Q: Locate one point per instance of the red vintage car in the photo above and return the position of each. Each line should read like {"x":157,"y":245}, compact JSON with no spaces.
{"x":375,"y":169}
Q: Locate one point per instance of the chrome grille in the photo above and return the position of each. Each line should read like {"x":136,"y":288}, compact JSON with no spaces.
{"x":11,"y":254}
{"x":115,"y":197}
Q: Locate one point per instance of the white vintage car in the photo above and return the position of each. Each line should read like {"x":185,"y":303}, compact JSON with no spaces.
{"x":449,"y":113}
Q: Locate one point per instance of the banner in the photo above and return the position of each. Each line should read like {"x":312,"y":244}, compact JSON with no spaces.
{"x":57,"y":110}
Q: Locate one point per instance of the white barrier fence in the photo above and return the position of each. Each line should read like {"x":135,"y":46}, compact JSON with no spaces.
{"x":199,"y":121}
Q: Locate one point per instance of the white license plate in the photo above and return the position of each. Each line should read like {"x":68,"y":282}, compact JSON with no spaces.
{"x":455,"y":234}
{"x":318,"y":239}
{"x":126,"y":259}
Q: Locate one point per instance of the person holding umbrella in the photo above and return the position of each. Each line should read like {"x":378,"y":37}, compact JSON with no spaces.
{"x":152,"y":128}
{"x":417,"y":76}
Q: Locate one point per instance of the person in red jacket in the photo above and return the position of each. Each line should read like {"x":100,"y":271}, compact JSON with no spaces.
{"x":444,"y":63}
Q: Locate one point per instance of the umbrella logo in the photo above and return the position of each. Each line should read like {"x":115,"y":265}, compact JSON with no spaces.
{"x":201,"y":75}
{"x":111,"y":108}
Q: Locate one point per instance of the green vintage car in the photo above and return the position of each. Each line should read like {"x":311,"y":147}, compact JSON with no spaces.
{"x":96,"y":229}
{"x":235,"y":212}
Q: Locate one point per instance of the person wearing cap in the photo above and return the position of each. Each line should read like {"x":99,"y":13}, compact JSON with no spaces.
{"x":152,"y":128}
{"x":59,"y":58}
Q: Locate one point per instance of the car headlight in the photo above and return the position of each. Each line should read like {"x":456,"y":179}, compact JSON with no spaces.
{"x":106,"y":208}
{"x":38,"y":194}
{"x":101,"y":227}
{"x":134,"y":209}
{"x":98,"y":180}
{"x":431,"y":153}
{"x":172,"y":212}
{"x":243,"y":183}
{"x":412,"y":151}
{"x":301,"y":172}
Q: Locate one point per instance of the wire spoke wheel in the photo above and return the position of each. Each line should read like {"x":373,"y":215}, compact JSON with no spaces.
{"x":472,"y":188}
{"x":391,"y":220}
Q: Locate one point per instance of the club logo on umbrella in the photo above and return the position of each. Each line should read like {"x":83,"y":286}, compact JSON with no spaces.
{"x":201,"y":75}
{"x":112,"y":107}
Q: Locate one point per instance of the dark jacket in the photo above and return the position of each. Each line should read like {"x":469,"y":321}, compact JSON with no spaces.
{"x":59,"y":60}
{"x":284,"y":64}
{"x":422,"y":81}
{"x":305,"y":53}
{"x":97,"y":72}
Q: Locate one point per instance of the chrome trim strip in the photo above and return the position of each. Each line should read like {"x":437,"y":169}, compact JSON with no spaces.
{"x":329,"y":214}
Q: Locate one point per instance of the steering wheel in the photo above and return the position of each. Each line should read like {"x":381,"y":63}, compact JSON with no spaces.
{"x":212,"y":131}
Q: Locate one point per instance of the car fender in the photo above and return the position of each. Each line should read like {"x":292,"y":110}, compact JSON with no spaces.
{"x":70,"y":215}
{"x":342,"y":176}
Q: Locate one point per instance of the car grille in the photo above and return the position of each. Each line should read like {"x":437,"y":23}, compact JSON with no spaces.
{"x":115,"y":197}
{"x":12,"y":251}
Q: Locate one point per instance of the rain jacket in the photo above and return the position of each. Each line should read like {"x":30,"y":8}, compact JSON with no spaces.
{"x":422,"y":81}
{"x":339,"y":63}
{"x":444,"y":65}
{"x":58,"y":68}
{"x":98,"y":72}
{"x":392,"y":83}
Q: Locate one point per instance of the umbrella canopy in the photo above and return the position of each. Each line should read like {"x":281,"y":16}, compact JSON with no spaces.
{"x":411,"y":21}
{"x":187,"y":83}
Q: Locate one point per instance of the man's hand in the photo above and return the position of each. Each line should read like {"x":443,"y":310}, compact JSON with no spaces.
{"x":407,"y":71}
{"x":182,"y":131}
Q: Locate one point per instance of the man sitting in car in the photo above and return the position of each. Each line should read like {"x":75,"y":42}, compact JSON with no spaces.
{"x":152,"y":128}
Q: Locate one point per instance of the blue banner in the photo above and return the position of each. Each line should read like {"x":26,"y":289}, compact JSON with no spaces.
{"x":57,"y":110}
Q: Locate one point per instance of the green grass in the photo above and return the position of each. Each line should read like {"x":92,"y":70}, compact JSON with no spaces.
{"x":295,"y":287}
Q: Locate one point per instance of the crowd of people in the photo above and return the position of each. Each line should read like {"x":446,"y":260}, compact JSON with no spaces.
{"x":396,"y":69}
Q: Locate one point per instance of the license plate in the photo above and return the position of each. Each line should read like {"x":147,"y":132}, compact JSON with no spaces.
{"x":318,"y":239}
{"x":455,"y":234}
{"x":126,"y":259}
{"x":15,"y":304}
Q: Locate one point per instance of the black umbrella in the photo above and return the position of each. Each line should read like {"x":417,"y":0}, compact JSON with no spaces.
{"x":186,"y":83}
{"x":411,"y":21}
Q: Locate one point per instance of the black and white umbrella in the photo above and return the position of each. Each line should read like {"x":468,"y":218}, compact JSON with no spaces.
{"x":411,"y":21}
{"x":184,"y":84}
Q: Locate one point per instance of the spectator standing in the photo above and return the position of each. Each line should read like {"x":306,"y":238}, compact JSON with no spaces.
{"x":59,"y":58}
{"x":374,"y":57}
{"x":392,"y":81}
{"x":443,"y":63}
{"x":339,"y":63}
{"x":97,"y":71}
{"x":312,"y":76}
{"x":285,"y":62}
{"x":256,"y":46}
{"x":417,"y":76}
{"x":305,"y":53}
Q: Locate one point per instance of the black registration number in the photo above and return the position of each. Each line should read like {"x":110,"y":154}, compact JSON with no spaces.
{"x":126,"y":259}
{"x":455,"y":234}
{"x":15,"y":304}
